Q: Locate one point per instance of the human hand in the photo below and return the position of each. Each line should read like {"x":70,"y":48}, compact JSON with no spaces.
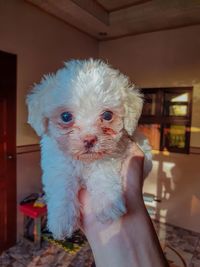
{"x":132,"y":173}
{"x":131,"y":240}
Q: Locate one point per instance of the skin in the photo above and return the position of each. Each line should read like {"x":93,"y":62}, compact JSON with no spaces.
{"x":131,"y":240}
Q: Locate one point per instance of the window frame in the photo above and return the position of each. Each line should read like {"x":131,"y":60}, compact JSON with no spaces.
{"x":167,"y":120}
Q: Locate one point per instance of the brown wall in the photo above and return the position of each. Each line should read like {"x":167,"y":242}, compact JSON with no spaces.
{"x":162,"y":59}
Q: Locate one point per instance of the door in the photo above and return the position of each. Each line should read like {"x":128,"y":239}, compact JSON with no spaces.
{"x":7,"y":150}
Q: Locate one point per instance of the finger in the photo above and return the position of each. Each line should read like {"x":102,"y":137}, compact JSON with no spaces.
{"x":81,"y":195}
{"x":132,"y":172}
{"x":85,"y":201}
{"x":134,"y":156}
{"x":136,"y":150}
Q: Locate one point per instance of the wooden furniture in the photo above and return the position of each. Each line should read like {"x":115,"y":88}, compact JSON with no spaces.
{"x":36,"y":214}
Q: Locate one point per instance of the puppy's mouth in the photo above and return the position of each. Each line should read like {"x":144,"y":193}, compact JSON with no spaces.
{"x":90,"y":156}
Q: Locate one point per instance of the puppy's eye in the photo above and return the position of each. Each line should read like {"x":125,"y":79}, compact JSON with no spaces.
{"x":107,"y":115}
{"x":66,"y":117}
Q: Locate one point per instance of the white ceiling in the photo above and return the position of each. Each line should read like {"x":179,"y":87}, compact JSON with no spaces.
{"x":110,"y":19}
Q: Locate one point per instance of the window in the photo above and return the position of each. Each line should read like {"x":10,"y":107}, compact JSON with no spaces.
{"x":166,"y":118}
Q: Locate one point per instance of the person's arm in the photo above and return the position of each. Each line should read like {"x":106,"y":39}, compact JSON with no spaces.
{"x":130,"y":241}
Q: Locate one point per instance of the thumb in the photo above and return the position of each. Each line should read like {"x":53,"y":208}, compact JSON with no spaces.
{"x":132,"y":173}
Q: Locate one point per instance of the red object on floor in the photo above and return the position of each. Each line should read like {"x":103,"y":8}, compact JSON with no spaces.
{"x":34,"y":212}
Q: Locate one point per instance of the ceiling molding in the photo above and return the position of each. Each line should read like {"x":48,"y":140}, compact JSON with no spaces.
{"x":134,"y":16}
{"x":59,"y":18}
{"x":95,"y":9}
{"x":120,"y":6}
{"x":73,"y":14}
{"x":149,"y":17}
{"x":145,"y":32}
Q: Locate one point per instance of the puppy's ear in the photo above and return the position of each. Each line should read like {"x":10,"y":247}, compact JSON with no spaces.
{"x":36,"y":103}
{"x":133,"y":107}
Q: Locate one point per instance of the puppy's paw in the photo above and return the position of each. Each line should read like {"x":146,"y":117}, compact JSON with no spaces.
{"x":64,"y":225}
{"x":108,"y":211}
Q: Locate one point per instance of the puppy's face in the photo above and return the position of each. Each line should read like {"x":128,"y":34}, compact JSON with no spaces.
{"x":86,"y":107}
{"x":88,"y":132}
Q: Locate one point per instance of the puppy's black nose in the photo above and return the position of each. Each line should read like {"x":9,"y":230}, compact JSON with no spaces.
{"x":89,"y":141}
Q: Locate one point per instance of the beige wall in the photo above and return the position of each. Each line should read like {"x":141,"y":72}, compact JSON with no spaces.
{"x":161,"y":59}
{"x":28,"y":179}
{"x":175,"y":179}
{"x":41,"y":43}
{"x":168,"y":58}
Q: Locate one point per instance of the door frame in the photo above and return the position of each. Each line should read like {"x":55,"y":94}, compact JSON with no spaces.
{"x":10,"y":81}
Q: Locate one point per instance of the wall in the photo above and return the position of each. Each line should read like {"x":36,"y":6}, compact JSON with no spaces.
{"x":41,"y":43}
{"x":175,"y":180}
{"x":28,"y":177}
{"x":161,"y":59}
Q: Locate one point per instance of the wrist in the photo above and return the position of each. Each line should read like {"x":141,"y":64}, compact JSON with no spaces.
{"x":129,"y":241}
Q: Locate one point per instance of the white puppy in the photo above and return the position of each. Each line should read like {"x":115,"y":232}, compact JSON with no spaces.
{"x":85,"y":114}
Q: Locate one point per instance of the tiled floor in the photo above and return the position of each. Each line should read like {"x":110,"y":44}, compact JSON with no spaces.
{"x":174,"y":240}
{"x":186,"y":243}
{"x":50,"y":255}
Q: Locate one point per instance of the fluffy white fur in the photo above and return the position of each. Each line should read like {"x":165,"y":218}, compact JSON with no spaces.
{"x":86,"y":89}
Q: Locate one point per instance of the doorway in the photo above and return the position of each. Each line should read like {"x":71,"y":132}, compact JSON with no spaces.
{"x":7,"y":150}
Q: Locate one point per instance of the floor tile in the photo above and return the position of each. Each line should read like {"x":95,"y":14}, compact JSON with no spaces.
{"x":183,"y":241}
{"x":176,"y":241}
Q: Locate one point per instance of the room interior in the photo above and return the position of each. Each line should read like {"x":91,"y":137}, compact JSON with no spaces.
{"x":155,"y":43}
